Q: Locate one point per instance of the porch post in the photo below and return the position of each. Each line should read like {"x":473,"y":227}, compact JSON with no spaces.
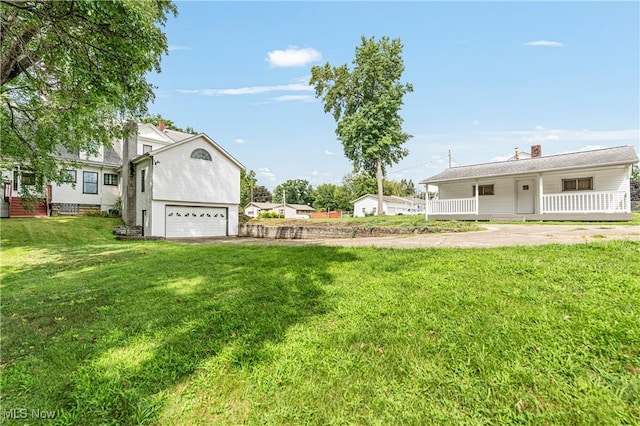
{"x":477,"y":191}
{"x":627,"y":192}
{"x":540,"y":193}
{"x":426,"y":202}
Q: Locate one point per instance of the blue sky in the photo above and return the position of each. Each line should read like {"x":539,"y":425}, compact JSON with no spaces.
{"x":488,"y":77}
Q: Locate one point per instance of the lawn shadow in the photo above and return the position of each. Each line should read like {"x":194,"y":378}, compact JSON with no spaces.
{"x":113,"y":329}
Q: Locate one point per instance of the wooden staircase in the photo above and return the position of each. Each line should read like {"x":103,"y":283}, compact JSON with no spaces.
{"x":38,"y":209}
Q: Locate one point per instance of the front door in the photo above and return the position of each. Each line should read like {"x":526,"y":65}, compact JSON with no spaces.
{"x":525,"y":196}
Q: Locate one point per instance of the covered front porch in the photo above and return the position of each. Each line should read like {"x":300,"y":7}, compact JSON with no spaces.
{"x":528,"y":201}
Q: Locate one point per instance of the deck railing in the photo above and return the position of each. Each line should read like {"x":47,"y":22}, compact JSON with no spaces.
{"x":8,"y":186}
{"x":585,"y":202}
{"x":452,"y":206}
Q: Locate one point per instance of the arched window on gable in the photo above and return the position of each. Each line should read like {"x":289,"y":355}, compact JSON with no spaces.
{"x":201,"y":154}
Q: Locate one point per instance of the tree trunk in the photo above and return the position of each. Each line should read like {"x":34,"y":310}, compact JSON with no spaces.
{"x":379,"y":177}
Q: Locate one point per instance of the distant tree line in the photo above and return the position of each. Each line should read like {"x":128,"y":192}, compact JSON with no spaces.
{"x":326,"y":196}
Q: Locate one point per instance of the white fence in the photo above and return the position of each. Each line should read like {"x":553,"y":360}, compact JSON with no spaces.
{"x":452,"y":206}
{"x":585,"y":202}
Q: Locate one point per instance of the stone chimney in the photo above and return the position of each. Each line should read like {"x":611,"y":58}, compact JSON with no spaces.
{"x":129,"y":151}
{"x":536,"y":151}
{"x":161,"y":126}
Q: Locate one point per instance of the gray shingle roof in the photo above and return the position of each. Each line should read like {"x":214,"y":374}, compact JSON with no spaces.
{"x":177,"y":136}
{"x":575,"y":160}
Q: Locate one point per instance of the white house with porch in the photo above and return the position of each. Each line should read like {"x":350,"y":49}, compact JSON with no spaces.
{"x":587,"y":186}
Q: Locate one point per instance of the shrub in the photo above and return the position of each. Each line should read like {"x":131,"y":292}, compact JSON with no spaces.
{"x":270,"y":215}
{"x":102,"y":213}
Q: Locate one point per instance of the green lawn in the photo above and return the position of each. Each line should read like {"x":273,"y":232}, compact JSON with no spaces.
{"x":106,"y":332}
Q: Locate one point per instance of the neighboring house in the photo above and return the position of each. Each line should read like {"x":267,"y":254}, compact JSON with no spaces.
{"x":254,"y":209}
{"x":295,"y":211}
{"x":392,"y":205}
{"x":170,"y":183}
{"x":289,"y":211}
{"x":586,"y":186}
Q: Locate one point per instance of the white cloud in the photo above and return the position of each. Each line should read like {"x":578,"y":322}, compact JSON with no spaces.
{"x":254,"y":90}
{"x":175,"y":47}
{"x":315,"y":173}
{"x":289,"y":98}
{"x":293,"y":57}
{"x":188,"y":92}
{"x":327,"y":152}
{"x":266,"y":173}
{"x":239,"y":141}
{"x":544,"y":43}
{"x":540,"y":134}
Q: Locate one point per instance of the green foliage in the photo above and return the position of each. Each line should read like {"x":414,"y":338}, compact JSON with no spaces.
{"x":329,"y":197}
{"x":279,"y":334}
{"x":261,"y":194}
{"x":635,"y":172}
{"x":296,"y":191}
{"x":71,"y":72}
{"x":365,"y":103}
{"x":248,"y":182}
{"x":101,"y":213}
{"x":270,"y":215}
{"x":359,"y":184}
{"x":169,"y":124}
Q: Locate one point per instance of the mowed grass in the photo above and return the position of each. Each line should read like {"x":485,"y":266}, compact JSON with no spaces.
{"x":106,"y":332}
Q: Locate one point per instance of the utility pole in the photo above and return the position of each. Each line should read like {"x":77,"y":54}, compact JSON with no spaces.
{"x":449,"y":158}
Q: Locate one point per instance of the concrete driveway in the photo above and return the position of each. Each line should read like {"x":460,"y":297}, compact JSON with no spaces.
{"x":502,"y":235}
{"x":494,"y":235}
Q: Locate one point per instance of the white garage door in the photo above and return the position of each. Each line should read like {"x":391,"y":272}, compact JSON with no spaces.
{"x":185,"y":221}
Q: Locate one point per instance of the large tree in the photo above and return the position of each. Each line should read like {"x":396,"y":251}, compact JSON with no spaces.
{"x":71,"y":72}
{"x":261,"y":194}
{"x":248,"y":182}
{"x":328,"y":196}
{"x":295,"y":191}
{"x":365,"y":103}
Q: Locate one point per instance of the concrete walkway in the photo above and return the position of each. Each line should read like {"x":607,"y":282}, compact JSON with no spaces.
{"x":494,"y":235}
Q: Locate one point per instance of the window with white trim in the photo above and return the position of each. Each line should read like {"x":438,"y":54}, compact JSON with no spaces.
{"x":146,"y":148}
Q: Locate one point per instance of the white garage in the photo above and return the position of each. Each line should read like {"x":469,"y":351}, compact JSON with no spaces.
{"x":196,"y":221}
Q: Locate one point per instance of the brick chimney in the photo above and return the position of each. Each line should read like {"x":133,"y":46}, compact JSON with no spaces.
{"x":536,"y":151}
{"x":129,"y":151}
{"x":517,"y":156}
{"x":161,"y":126}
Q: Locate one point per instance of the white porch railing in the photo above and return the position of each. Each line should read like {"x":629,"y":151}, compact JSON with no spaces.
{"x":585,"y":202}
{"x":452,"y":206}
